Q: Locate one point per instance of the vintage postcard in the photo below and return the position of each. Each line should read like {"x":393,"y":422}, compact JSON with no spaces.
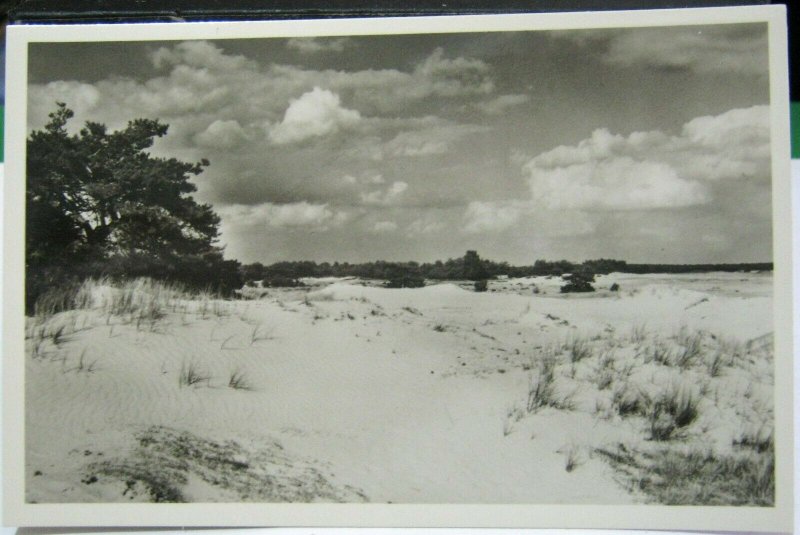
{"x":509,"y":271}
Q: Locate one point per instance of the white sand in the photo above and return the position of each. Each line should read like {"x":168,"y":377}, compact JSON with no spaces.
{"x":400,"y":396}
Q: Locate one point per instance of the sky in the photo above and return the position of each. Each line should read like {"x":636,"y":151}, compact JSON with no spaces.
{"x":647,"y":145}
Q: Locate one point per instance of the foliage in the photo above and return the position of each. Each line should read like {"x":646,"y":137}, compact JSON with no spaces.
{"x":99,"y":204}
{"x":456,"y":269}
{"x":405,"y":281}
{"x":579,"y":280}
{"x":699,"y":477}
{"x":473,"y":267}
{"x":481,"y":285}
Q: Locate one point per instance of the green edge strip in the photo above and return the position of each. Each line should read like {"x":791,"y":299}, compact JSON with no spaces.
{"x":795,"y":127}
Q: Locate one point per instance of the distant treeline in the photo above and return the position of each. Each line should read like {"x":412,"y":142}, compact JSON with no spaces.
{"x":470,"y":267}
{"x":695,"y":268}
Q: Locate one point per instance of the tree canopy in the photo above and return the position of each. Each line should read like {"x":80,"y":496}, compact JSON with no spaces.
{"x":98,"y":203}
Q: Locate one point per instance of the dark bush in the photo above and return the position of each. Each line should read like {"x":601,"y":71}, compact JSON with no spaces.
{"x":282,"y":282}
{"x":614,"y":287}
{"x":481,"y":285}
{"x":406,"y":281}
{"x":578,"y":281}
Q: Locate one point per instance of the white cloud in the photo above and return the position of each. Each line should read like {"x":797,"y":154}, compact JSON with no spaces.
{"x":390,"y":90}
{"x":299,"y":214}
{"x":316,"y":113}
{"x":199,"y":82}
{"x":492,"y":216}
{"x":619,"y":183}
{"x":428,"y":139}
{"x":499,"y":104}
{"x":742,"y":128}
{"x":452,"y":77}
{"x":647,"y":170}
{"x":221,"y":134}
{"x":79,"y":97}
{"x":199,"y":54}
{"x":425,"y":225}
{"x":315,"y":45}
{"x":734,"y":48}
{"x":416,"y":144}
{"x":390,"y":196}
{"x":384,"y":226}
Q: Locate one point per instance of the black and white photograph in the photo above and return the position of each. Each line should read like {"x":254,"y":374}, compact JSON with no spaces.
{"x":538,"y":264}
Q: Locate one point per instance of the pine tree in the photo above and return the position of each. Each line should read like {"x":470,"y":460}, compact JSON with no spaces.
{"x":98,"y":203}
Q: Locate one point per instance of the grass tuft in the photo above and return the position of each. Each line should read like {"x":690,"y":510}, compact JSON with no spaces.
{"x":238,"y":381}
{"x":578,"y":349}
{"x":541,"y":388}
{"x":190,"y":375}
{"x":572,"y":457}
{"x":691,"y":348}
{"x":675,"y":410}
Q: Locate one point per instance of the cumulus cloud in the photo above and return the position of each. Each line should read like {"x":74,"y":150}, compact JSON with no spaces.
{"x":734,"y":48}
{"x":390,"y":196}
{"x":316,"y":113}
{"x":384,"y":226}
{"x":221,"y":134}
{"x":500,"y":104}
{"x":199,"y":54}
{"x":492,"y":216}
{"x":315,"y":45}
{"x":82,"y":99}
{"x":428,"y":140}
{"x":425,"y":225}
{"x":525,"y":216}
{"x":299,"y":214}
{"x":196,"y":82}
{"x":647,"y":170}
{"x":364,"y":178}
{"x":619,"y":183}
{"x":386,"y":90}
{"x":451,"y":77}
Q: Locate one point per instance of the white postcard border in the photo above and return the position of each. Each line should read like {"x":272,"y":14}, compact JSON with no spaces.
{"x":19,"y":513}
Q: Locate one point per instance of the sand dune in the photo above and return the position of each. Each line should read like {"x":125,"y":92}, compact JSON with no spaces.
{"x":350,"y":392}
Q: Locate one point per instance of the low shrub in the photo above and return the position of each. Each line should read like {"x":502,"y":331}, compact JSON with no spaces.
{"x":406,"y":281}
{"x":579,"y":281}
{"x":282,"y":282}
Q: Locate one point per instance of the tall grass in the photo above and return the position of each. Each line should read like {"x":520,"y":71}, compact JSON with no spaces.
{"x":691,"y":347}
{"x":141,"y":301}
{"x":541,"y":390}
{"x":698,"y":476}
{"x":578,"y":349}
{"x":673,"y":411}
